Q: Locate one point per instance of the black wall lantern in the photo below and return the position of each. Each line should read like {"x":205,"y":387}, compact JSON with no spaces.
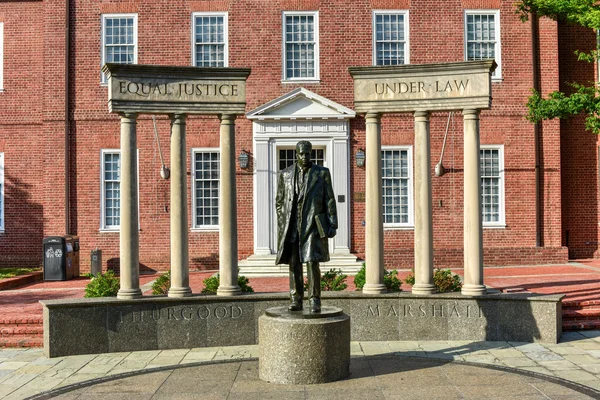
{"x":360,"y":158}
{"x":243,"y":159}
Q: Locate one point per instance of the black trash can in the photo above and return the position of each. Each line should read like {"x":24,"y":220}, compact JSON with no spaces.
{"x":55,"y":259}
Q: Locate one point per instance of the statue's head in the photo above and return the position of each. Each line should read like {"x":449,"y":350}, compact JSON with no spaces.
{"x":303,"y":150}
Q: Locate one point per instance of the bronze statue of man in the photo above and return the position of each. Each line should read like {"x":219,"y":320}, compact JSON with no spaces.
{"x":306,"y":218}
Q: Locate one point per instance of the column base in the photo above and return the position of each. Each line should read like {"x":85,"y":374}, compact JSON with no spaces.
{"x":229,"y":290}
{"x":374,"y":288}
{"x":473,"y":290}
{"x":423,"y":288}
{"x":128,"y":294}
{"x":180,"y":292}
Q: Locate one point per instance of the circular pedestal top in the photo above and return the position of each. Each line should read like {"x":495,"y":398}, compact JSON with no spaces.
{"x":283,"y":312}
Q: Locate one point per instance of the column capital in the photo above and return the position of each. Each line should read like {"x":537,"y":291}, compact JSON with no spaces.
{"x":422,"y":115}
{"x":373,"y":117}
{"x":178,"y":118}
{"x":128,"y":116}
{"x":227,"y":119}
{"x":471,"y":113}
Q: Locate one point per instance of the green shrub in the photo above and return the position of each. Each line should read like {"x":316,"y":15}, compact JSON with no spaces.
{"x":211,"y":284}
{"x":162,"y":284}
{"x":390,"y":279}
{"x":103,"y":285}
{"x":443,"y":280}
{"x":332,"y":280}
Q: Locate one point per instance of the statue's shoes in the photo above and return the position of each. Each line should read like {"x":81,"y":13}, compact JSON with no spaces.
{"x":315,"y":305}
{"x":295,"y":306}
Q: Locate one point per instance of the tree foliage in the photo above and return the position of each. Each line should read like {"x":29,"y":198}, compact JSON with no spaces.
{"x":584,"y":98}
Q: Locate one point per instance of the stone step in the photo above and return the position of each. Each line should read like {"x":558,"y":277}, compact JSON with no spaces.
{"x":581,"y":325}
{"x":583,"y":314}
{"x":264,"y":265}
{"x":21,"y":341}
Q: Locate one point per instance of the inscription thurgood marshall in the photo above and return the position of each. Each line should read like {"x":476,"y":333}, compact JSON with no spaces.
{"x":181,"y":314}
{"x":426,"y":311}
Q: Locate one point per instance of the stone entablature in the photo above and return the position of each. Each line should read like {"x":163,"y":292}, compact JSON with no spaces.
{"x":428,"y":87}
{"x":152,"y":89}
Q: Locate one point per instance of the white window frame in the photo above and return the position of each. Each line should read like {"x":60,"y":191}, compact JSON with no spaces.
{"x":501,"y":223}
{"x":405,"y":13}
{"x":411,"y":199}
{"x":2,"y":197}
{"x":497,"y":74}
{"x":104,"y":17}
{"x":225,"y":16}
{"x":103,"y":226}
{"x":284,"y":78}
{"x":1,"y":56}
{"x":195,"y":150}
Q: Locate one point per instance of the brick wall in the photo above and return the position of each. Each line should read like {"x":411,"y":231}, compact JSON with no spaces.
{"x":436,"y":35}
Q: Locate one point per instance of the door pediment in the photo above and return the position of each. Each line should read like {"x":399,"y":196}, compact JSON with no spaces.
{"x":300,"y":103}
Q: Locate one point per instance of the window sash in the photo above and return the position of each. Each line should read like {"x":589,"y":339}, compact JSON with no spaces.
{"x":111,"y":190}
{"x":209,"y":38}
{"x":492,"y":199}
{"x":300,"y":36}
{"x":390,"y":38}
{"x":396,"y":187}
{"x":119,"y":39}
{"x":1,"y":56}
{"x":206,"y":184}
{"x":482,"y":37}
{"x":2,"y":191}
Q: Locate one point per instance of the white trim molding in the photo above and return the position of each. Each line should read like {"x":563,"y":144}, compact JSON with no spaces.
{"x":308,"y":79}
{"x":1,"y":56}
{"x":225,"y":16}
{"x":104,"y":17}
{"x":497,"y":74}
{"x":405,"y":15}
{"x":194,"y":152}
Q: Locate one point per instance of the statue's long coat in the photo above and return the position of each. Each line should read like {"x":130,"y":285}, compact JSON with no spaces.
{"x":318,"y":199}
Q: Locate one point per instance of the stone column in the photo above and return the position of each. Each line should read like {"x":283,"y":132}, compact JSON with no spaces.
{"x":374,"y":208}
{"x":473,"y":235}
{"x":228,"y":246}
{"x":180,"y":274}
{"x":129,"y":234}
{"x":423,"y":211}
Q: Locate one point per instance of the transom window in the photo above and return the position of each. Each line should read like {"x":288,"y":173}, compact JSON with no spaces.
{"x":210,"y":39}
{"x":287,"y":157}
{"x":390,"y":37}
{"x":119,"y":39}
{"x":397,"y":187}
{"x":206,"y":188}
{"x":301,"y":48}
{"x":482,"y":36}
{"x":492,"y":185}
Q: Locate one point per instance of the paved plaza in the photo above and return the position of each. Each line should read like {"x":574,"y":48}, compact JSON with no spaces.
{"x":379,"y":370}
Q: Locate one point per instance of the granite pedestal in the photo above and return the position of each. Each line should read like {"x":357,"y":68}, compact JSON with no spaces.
{"x":301,"y":348}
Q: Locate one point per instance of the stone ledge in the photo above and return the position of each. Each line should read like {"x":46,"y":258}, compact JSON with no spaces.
{"x":87,"y":326}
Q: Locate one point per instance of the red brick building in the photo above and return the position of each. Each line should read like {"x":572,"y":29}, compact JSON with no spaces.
{"x":59,"y":146}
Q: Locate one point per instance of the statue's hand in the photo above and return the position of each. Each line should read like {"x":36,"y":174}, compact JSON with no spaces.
{"x":332,"y":231}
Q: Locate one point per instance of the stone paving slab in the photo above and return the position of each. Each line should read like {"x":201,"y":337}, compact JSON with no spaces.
{"x":575,"y":359}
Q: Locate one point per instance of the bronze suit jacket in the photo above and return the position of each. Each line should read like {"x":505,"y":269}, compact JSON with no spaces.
{"x":318,"y":198}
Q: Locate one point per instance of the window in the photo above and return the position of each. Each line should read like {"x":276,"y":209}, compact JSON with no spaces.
{"x":205,"y":184}
{"x":390,"y":37}
{"x":300,"y":46}
{"x":111,"y":190}
{"x":1,"y":192}
{"x":209,"y":38}
{"x":492,"y":185}
{"x":287,"y":157}
{"x":1,"y":57}
{"x":396,"y":165}
{"x":482,"y":37}
{"x":119,"y":39}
